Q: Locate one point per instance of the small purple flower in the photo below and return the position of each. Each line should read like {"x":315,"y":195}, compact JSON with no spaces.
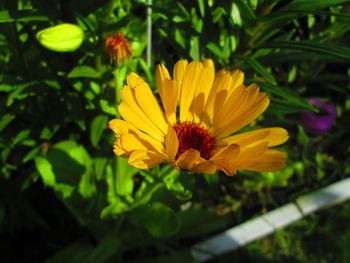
{"x":317,"y":124}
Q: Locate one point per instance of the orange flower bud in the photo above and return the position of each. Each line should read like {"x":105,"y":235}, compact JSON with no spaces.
{"x":117,"y":47}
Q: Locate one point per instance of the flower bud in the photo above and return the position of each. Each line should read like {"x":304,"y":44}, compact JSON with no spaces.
{"x":61,"y":38}
{"x":117,"y":47}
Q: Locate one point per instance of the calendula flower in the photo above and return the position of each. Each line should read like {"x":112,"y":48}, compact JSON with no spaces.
{"x":117,"y":47}
{"x":193,"y":128}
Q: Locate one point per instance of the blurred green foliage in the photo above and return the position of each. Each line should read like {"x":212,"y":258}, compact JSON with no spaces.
{"x":65,"y":197}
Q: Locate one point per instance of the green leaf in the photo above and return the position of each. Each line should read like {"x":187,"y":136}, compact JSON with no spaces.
{"x":145,"y":192}
{"x":29,"y":156}
{"x":6,"y":87}
{"x":124,"y":176}
{"x":110,"y":180}
{"x":100,"y":167}
{"x":159,"y":219}
{"x":95,"y":87}
{"x":194,"y":48}
{"x":146,"y":69}
{"x":197,"y":23}
{"x":83,"y":71}
{"x":278,"y":58}
{"x":289,"y":97}
{"x":226,"y":49}
{"x":98,"y":125}
{"x":272,"y":21}
{"x":215,"y":49}
{"x":22,"y":135}
{"x":236,"y":15}
{"x":5,"y":120}
{"x":309,"y":5}
{"x":115,"y":208}
{"x":105,"y":250}
{"x":119,"y":179}
{"x":179,"y":38}
{"x":107,"y":108}
{"x":259,"y":69}
{"x":64,"y":190}
{"x":282,"y":109}
{"x":184,"y":10}
{"x":335,"y":50}
{"x":201,"y":6}
{"x":45,"y":170}
{"x":18,"y":92}
{"x":5,"y":154}
{"x":246,"y":12}
{"x":302,"y":138}
{"x":72,"y":166}
{"x":21,"y":16}
{"x":276,"y":179}
{"x":73,"y":253}
{"x":173,"y":184}
{"x":86,"y":7}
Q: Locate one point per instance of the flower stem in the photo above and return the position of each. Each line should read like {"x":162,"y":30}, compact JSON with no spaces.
{"x":116,"y":73}
{"x":98,"y":63}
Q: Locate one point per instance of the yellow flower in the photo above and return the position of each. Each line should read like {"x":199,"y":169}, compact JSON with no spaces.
{"x":201,"y":111}
{"x":117,"y":47}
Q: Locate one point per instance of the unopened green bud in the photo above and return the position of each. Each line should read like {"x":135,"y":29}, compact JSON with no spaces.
{"x":61,"y":38}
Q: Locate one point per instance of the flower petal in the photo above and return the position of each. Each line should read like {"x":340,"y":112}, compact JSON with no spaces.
{"x":191,"y":80}
{"x":133,"y":80}
{"x":150,"y":107}
{"x":254,"y":106}
{"x":230,"y":152}
{"x":178,"y":73}
{"x":237,"y":78}
{"x":202,"y":90}
{"x":132,"y":112}
{"x":217,"y":96}
{"x":274,"y":136}
{"x":188,"y":159}
{"x":130,"y":139}
{"x":171,"y":144}
{"x":140,"y":121}
{"x":270,"y":161}
{"x":169,"y":101}
{"x":248,"y":155}
{"x":252,"y":152}
{"x":121,"y":127}
{"x":225,"y":166}
{"x":224,"y":85}
{"x":205,"y":167}
{"x":162,"y":74}
{"x":145,"y":159}
{"x":118,"y":126}
{"x":229,"y":108}
{"x":118,"y":150}
{"x":223,"y":159}
{"x":139,"y":97}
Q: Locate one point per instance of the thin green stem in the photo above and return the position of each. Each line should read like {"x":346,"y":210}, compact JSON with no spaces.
{"x":98,"y":63}
{"x":165,"y":171}
{"x":116,"y":73}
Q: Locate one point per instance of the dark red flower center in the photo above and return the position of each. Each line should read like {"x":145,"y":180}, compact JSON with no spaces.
{"x":193,"y":136}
